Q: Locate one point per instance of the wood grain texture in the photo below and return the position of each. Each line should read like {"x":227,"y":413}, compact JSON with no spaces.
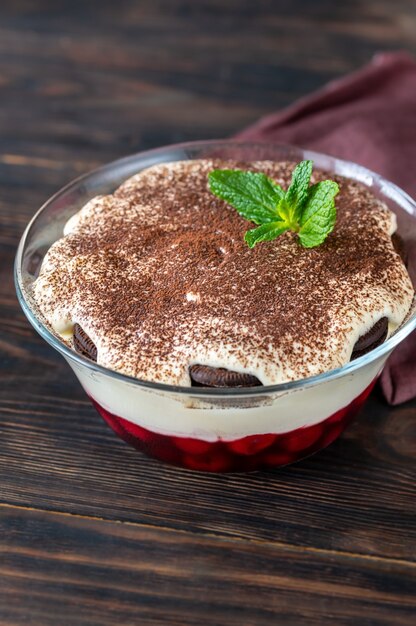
{"x":329,"y":540}
{"x":99,"y":573}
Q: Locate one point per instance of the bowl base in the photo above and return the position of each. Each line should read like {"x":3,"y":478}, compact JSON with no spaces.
{"x":255,"y":452}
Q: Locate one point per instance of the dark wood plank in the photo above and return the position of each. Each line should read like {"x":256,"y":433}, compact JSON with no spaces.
{"x":66,"y":570}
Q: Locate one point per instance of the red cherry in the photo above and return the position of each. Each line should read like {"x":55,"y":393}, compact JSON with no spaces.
{"x":339,"y":416}
{"x":136,"y":431}
{"x":251,"y":444}
{"x":331,"y":433}
{"x":193,"y":446}
{"x":301,"y":438}
{"x":276,"y":459}
{"x":166,"y":453}
{"x":217,"y":462}
{"x":112,"y":421}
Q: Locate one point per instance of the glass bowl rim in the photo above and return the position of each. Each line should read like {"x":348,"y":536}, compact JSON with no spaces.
{"x":395,"y":193}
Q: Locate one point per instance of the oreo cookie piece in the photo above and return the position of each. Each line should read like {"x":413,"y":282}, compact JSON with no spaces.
{"x":205,"y":376}
{"x":372,"y":339}
{"x":83,"y":344}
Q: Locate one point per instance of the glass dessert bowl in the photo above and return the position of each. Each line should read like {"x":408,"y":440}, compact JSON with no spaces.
{"x":213,"y":429}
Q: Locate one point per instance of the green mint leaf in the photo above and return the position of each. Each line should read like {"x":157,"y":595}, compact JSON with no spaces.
{"x":297,"y":193}
{"x":253,"y":194}
{"x":265,"y":232}
{"x":319,"y":214}
{"x":306,"y":210}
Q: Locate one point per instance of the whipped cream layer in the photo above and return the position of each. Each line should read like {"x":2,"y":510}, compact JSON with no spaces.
{"x":160,"y":278}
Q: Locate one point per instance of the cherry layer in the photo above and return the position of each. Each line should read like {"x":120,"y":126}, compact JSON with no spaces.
{"x":240,"y":455}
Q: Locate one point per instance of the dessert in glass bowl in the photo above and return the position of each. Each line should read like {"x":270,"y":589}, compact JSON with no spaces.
{"x":193,"y":346}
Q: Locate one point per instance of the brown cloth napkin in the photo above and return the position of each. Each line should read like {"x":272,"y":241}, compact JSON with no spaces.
{"x":368,"y":117}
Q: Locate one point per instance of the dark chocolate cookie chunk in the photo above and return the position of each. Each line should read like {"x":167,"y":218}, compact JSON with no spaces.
{"x":205,"y":376}
{"x":372,"y":339}
{"x":83,"y":344}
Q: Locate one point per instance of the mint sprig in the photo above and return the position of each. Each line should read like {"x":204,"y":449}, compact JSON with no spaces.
{"x":308,"y":210}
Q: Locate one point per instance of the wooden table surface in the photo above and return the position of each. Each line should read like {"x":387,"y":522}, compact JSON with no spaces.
{"x":91,"y":531}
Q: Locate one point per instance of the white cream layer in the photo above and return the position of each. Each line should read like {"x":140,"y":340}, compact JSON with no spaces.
{"x":225,"y":418}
